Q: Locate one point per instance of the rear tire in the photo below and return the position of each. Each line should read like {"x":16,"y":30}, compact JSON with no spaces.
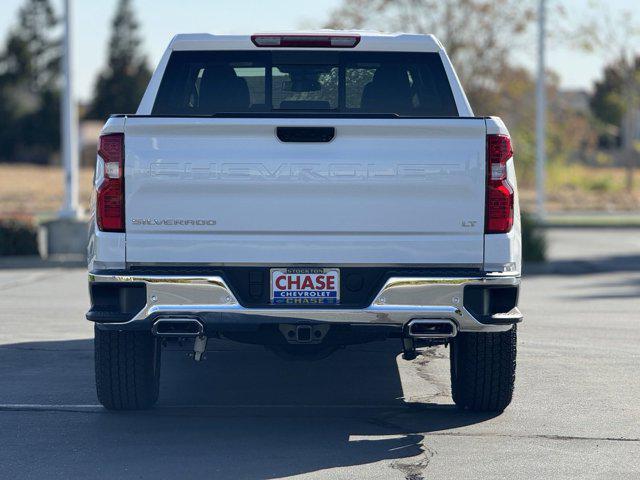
{"x":127,"y":368}
{"x":483,"y":370}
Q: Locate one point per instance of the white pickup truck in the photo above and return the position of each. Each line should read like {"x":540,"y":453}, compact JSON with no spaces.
{"x":305,"y":192}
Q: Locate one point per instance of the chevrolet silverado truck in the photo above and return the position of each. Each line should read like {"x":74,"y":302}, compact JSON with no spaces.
{"x":305,"y":192}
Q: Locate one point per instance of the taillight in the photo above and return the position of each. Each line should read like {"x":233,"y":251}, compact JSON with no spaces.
{"x":110,"y":193}
{"x":499,"y":203}
{"x":308,"y":41}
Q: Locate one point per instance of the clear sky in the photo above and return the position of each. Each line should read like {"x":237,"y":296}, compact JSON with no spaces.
{"x":161,"y":19}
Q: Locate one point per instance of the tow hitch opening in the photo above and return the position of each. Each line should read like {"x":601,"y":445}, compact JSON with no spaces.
{"x":296,"y":334}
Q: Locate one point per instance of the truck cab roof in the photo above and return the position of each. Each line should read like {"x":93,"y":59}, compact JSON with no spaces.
{"x":368,"y":40}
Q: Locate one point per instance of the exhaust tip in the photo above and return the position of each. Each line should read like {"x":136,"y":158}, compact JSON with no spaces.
{"x":432,"y":329}
{"x":177,"y":327}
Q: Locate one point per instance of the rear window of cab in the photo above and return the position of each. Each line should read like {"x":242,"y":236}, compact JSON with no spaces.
{"x":205,"y":83}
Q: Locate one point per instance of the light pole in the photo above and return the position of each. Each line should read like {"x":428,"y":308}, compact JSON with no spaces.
{"x":541,"y":108}
{"x":69,"y":132}
{"x":66,"y":234}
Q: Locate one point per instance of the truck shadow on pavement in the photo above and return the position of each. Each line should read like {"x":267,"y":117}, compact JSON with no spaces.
{"x":242,"y":413}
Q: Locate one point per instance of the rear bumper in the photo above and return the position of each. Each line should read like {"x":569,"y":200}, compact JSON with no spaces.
{"x":210,"y":300}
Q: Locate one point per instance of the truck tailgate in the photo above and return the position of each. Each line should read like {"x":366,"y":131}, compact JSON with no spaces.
{"x":228,"y":191}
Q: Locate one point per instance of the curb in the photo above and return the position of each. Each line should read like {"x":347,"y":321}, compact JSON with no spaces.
{"x":577,"y":267}
{"x":584,"y":226}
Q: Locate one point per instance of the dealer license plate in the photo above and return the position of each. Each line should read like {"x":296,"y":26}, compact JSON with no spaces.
{"x":305,"y":286}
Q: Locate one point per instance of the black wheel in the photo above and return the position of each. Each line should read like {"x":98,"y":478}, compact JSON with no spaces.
{"x":483,"y":370}
{"x":127,"y":369}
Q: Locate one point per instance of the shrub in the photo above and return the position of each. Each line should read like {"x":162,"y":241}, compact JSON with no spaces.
{"x":601,"y":184}
{"x":534,"y":242}
{"x":18,"y":238}
{"x":584,"y":178}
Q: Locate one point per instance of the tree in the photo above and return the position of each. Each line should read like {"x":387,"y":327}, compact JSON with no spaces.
{"x":122,"y":83}
{"x":608,"y":101}
{"x":615,"y":101}
{"x":478,"y":34}
{"x":617,"y":97}
{"x":32,"y":54}
{"x":481,"y":37}
{"x":29,"y":77}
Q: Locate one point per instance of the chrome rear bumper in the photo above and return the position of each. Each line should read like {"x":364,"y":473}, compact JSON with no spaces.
{"x":399,"y":301}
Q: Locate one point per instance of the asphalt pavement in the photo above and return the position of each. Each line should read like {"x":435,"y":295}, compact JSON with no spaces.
{"x":361,"y":413}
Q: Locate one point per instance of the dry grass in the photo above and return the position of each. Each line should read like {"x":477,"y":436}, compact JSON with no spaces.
{"x":582,"y":188}
{"x":28,"y":190}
